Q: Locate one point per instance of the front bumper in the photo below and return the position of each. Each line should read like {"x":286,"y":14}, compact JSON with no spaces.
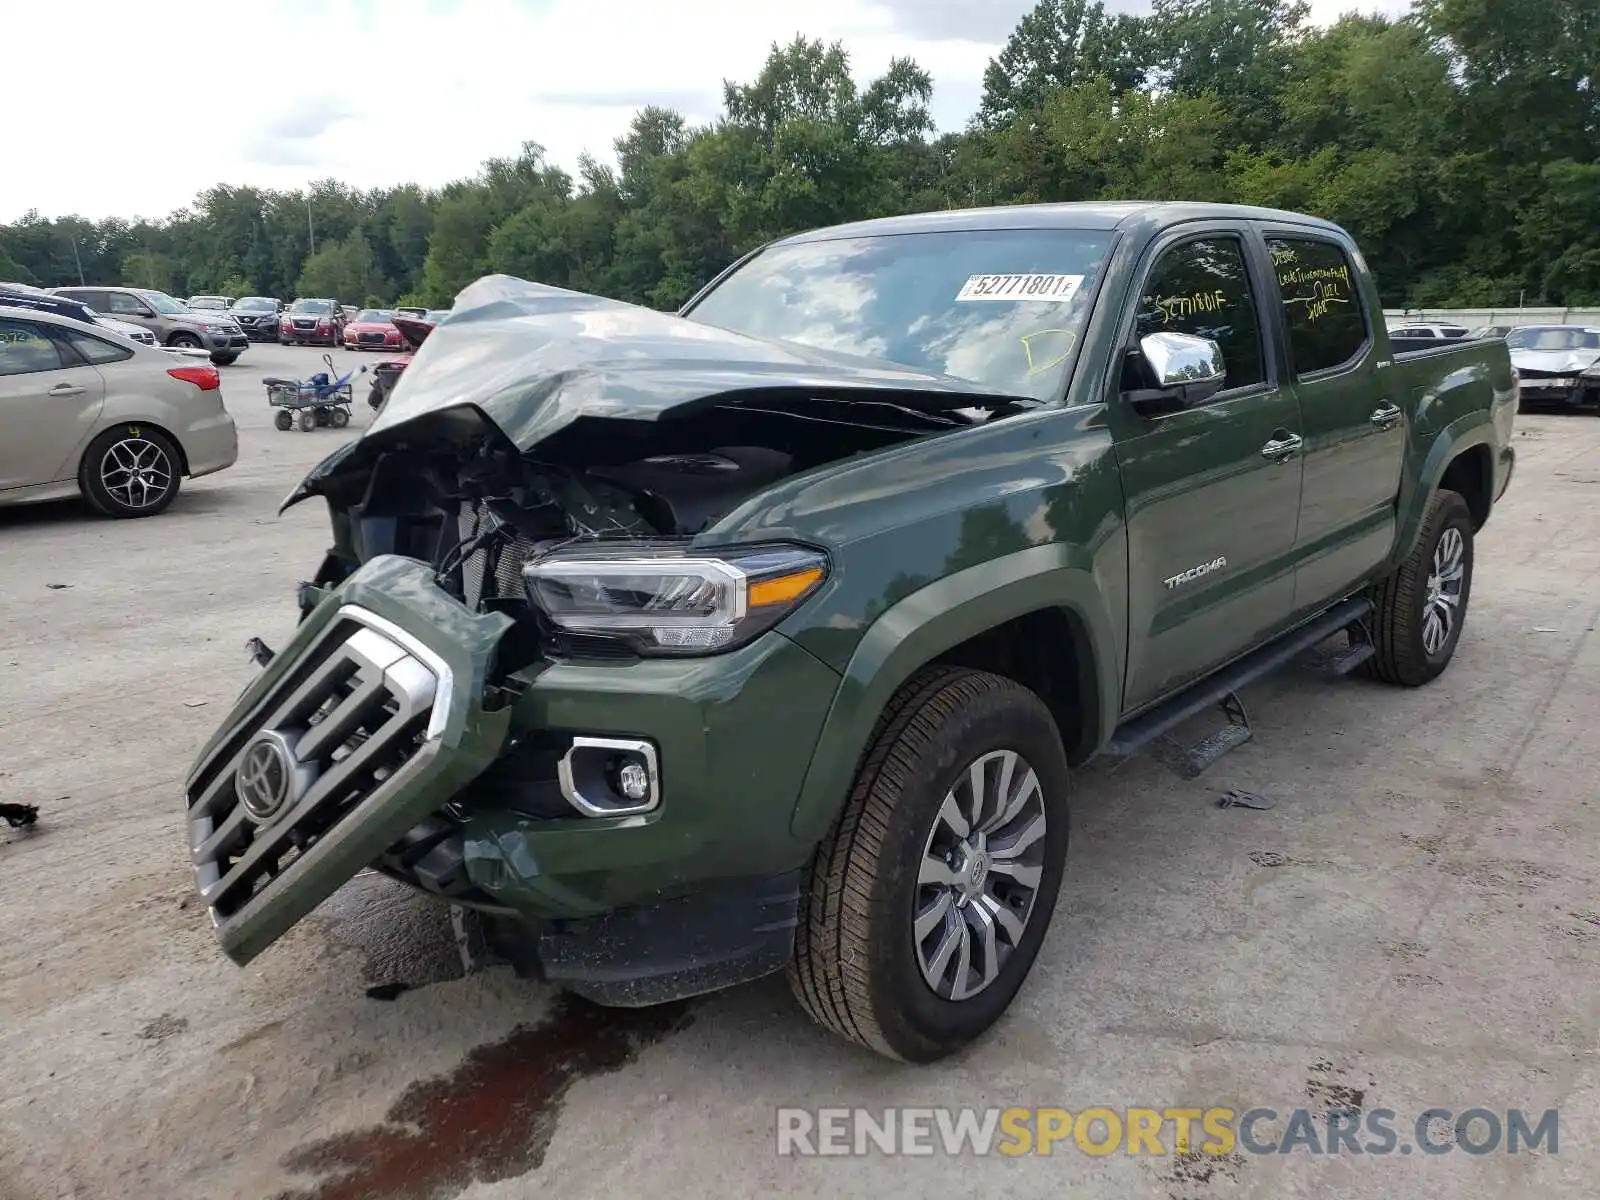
{"x":225,"y":341}
{"x":473,"y":814}
{"x":265,"y":331}
{"x":1574,"y":390}
{"x":314,"y":336}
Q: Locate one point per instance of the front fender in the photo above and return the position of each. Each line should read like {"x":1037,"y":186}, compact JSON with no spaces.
{"x":935,"y":619}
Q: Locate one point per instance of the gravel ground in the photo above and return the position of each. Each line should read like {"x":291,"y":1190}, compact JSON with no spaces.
{"x":1414,"y":923}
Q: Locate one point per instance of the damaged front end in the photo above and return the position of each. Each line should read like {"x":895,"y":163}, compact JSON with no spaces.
{"x":527,"y":678}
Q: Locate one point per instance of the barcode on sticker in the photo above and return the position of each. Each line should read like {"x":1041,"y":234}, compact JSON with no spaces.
{"x":1057,"y":288}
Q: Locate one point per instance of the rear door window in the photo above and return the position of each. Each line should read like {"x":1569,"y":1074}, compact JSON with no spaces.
{"x":123,"y":305}
{"x":1202,"y":288}
{"x":95,"y":350}
{"x":1321,"y":309}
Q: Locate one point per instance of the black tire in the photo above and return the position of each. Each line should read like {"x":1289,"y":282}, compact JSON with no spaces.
{"x":104,"y":472}
{"x":308,"y":420}
{"x":283,"y":419}
{"x":375,"y":397}
{"x":855,"y":968}
{"x":339,"y":418}
{"x":184,"y":341}
{"x":1401,"y":623}
{"x":224,"y":360}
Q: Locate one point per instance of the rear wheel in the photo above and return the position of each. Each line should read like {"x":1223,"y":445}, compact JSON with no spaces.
{"x":929,"y":899}
{"x":339,"y":418}
{"x":308,"y":420}
{"x":130,"y":471}
{"x":283,"y":419}
{"x":224,"y":360}
{"x":1422,"y":606}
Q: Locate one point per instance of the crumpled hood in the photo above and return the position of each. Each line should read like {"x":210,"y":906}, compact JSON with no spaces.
{"x":534,"y":358}
{"x":1556,"y":362}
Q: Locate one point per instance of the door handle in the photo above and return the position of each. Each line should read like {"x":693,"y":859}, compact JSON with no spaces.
{"x":1385,"y":415}
{"x":66,"y":389}
{"x":1282,"y":449}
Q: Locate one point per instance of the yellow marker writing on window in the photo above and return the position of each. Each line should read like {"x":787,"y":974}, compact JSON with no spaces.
{"x":1040,"y":357}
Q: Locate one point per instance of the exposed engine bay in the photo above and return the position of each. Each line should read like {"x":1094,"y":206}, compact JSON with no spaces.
{"x":455,"y":493}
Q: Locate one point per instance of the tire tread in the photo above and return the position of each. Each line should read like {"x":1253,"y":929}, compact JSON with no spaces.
{"x":829,"y":971}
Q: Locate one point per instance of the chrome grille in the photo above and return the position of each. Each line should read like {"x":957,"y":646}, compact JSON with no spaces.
{"x":333,"y":737}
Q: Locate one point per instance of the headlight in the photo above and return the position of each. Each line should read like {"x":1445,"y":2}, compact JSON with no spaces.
{"x":667,"y":600}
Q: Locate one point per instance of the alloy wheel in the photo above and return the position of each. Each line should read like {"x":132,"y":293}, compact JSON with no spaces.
{"x":979,"y":875}
{"x":1442,"y":605}
{"x":136,"y":473}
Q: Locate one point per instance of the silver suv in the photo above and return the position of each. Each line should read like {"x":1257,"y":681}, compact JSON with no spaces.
{"x":173,"y":322}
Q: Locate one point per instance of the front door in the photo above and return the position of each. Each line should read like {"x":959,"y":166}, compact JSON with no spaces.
{"x":49,"y":402}
{"x":1355,"y":435}
{"x":1212,"y":492}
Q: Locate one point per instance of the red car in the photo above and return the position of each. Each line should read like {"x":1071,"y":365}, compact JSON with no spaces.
{"x":312,"y":321}
{"x":373,"y":329}
{"x":414,"y":331}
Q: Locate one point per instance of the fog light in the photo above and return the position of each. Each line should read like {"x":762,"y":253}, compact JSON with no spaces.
{"x":635,"y":781}
{"x":610,"y":777}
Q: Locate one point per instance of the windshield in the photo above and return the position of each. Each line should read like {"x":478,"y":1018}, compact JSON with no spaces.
{"x":254,"y":304}
{"x":164,"y":304}
{"x":999,"y":307}
{"x":1566,"y":338}
{"x":206,"y":302}
{"x":311,"y":306}
{"x":375,"y":315}
{"x":436,"y":315}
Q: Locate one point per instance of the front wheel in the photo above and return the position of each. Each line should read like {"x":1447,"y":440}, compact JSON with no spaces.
{"x":1422,"y":606}
{"x":184,"y":341}
{"x":308,"y":420}
{"x":930,"y":897}
{"x":283,"y":419}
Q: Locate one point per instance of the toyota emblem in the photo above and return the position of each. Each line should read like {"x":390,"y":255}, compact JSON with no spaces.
{"x":264,"y":777}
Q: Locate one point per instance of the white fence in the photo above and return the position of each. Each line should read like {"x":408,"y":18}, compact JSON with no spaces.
{"x":1474,"y":317}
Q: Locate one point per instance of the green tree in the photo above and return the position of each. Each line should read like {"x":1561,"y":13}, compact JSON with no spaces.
{"x":1062,"y":44}
{"x":345,"y":271}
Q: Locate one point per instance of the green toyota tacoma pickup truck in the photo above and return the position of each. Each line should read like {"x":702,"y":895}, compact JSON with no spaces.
{"x":681,"y":649}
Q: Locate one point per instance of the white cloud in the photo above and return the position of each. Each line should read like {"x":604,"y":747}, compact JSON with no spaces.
{"x":378,"y":92}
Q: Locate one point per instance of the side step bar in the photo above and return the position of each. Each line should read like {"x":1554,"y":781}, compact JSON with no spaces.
{"x":1133,"y":735}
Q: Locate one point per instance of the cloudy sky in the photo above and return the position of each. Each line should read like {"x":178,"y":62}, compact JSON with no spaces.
{"x":148,"y":104}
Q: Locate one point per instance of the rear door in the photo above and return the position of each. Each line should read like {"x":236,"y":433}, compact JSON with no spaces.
{"x":1355,"y":433}
{"x":1212,"y":492}
{"x":49,"y":403}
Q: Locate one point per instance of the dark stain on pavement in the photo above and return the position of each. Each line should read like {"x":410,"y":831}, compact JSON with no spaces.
{"x":489,"y":1119}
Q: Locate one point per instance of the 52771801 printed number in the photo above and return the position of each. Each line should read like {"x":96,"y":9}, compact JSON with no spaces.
{"x":1056,"y":288}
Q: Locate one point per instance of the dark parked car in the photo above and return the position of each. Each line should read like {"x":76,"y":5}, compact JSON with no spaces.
{"x":312,"y":321}
{"x":258,"y":317}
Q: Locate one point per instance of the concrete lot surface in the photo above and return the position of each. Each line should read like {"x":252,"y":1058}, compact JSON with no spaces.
{"x":1414,"y":924}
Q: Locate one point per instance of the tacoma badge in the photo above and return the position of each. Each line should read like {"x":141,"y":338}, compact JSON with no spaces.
{"x":1193,"y":573}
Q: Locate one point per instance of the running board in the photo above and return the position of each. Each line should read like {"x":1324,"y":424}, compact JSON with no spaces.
{"x":1220,"y":688}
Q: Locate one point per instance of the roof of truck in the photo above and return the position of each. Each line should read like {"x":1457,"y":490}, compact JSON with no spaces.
{"x":1121,"y":214}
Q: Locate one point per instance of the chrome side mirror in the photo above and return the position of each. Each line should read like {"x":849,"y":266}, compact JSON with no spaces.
{"x":1188,"y":370}
{"x":1180,"y":359}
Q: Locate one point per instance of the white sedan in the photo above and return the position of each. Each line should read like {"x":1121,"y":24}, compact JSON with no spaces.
{"x":100,"y":416}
